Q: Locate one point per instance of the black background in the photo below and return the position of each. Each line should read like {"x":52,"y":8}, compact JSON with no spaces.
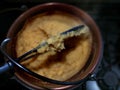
{"x":105,"y":13}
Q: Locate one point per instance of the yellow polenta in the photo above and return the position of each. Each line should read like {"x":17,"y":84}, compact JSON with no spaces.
{"x":59,"y":66}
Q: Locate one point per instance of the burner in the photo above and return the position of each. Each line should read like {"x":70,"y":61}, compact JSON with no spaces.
{"x":108,"y":79}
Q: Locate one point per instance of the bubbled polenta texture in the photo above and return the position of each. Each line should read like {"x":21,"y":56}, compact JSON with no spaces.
{"x":59,"y":66}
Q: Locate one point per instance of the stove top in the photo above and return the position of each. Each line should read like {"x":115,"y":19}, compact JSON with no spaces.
{"x":106,"y":16}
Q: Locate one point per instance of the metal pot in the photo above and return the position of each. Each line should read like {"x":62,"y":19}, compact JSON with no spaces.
{"x":35,"y":83}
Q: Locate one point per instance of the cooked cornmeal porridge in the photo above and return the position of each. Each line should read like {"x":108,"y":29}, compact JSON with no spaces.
{"x":55,"y":65}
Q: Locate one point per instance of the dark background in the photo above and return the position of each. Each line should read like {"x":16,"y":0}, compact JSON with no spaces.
{"x":106,"y":14}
